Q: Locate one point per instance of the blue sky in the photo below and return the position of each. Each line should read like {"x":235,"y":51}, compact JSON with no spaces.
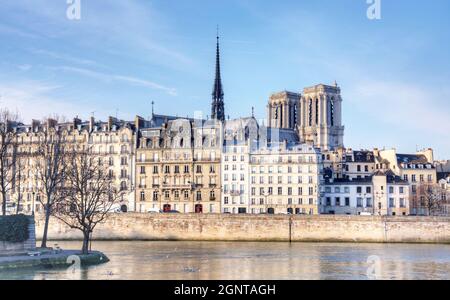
{"x":121,"y":55}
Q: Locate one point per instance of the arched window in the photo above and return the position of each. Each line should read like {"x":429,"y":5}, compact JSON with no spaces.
{"x":181,"y":143}
{"x":332,"y":111}
{"x":317,"y":111}
{"x":310,"y":112}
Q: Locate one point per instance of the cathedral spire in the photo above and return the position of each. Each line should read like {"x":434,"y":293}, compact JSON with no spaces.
{"x":217,"y":107}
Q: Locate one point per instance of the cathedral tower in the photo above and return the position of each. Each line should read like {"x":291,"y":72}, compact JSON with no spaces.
{"x":283,"y":110}
{"x":321,"y":117}
{"x":217,"y":106}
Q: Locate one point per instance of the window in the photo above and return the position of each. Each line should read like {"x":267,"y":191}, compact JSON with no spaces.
{"x":359,"y":190}
{"x":176,"y":195}
{"x":167,"y":194}
{"x":142,"y":196}
{"x":391,"y":202}
{"x":347,"y":201}
{"x":338,"y":201}
{"x":402,"y":202}
{"x":401,"y":190}
{"x":358,"y":168}
{"x":155,"y":169}
{"x":199,"y":196}
{"x":177,"y":170}
{"x":212,"y":195}
{"x":186,"y":194}
{"x":155,"y":196}
{"x":186,"y":169}
{"x":328,"y":200}
{"x":167,"y":169}
{"x":391,"y":190}
{"x":280,"y":191}
{"x":359,"y":201}
{"x":368,"y":189}
{"x":199,"y":169}
{"x":142,"y":170}
{"x":369,"y":202}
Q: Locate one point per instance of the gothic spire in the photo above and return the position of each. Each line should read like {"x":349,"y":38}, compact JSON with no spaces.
{"x":218,"y":111}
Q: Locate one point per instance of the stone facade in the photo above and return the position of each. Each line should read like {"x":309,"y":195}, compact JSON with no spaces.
{"x":379,"y":194}
{"x":178,"y":166}
{"x":112,"y":142}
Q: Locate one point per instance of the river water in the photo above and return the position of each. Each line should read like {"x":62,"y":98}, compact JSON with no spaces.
{"x":232,"y":260}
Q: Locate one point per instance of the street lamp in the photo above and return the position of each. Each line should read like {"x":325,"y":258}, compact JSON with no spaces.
{"x":32,"y":209}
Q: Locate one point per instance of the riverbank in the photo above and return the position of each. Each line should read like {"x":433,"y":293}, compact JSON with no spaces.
{"x":49,"y":259}
{"x":263,"y":228}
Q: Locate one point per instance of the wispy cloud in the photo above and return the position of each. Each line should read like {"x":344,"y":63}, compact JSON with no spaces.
{"x":24,"y":67}
{"x":61,"y":56}
{"x":33,"y":100}
{"x":121,"y":78}
{"x":406,"y":106}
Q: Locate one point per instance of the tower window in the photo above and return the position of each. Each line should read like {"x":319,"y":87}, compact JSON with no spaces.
{"x":310,"y":112}
{"x":332,"y":112}
{"x":317,"y":111}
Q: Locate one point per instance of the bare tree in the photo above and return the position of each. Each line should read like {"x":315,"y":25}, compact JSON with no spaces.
{"x":50,"y":170}
{"x":19,"y":181}
{"x":7,"y":153}
{"x":430,"y":198}
{"x":90,"y":194}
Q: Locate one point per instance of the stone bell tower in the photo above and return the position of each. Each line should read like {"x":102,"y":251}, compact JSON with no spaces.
{"x":284,"y":110}
{"x":321,"y":117}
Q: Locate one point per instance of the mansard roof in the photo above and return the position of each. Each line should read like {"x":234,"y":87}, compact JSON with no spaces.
{"x":413,"y":160}
{"x":362,"y":156}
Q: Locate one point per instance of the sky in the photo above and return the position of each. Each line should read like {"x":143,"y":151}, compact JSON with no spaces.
{"x":120,"y":56}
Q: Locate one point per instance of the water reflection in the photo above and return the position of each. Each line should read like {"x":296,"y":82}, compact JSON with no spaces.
{"x":228,"y":261}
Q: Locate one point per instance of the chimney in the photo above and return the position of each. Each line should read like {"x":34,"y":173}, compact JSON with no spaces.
{"x":111,"y":122}
{"x":91,"y":124}
{"x":35,"y":125}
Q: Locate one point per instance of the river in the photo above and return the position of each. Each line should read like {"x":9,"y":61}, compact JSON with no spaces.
{"x":265,"y":261}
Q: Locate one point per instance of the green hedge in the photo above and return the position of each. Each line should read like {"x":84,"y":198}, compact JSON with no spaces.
{"x":14,"y":229}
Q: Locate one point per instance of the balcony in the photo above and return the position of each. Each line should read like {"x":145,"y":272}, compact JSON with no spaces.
{"x":236,"y":193}
{"x":176,"y":186}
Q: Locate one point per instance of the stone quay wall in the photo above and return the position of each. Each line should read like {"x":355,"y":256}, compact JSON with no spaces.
{"x":225,"y":227}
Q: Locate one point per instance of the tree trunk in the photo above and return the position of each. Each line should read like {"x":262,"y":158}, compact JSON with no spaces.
{"x":47,"y":219}
{"x":18,"y":204}
{"x":86,"y":238}
{"x":4,"y":203}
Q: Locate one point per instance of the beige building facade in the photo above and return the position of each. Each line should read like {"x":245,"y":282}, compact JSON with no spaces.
{"x":178,"y":166}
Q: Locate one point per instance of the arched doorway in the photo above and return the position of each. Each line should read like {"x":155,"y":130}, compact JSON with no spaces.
{"x":271,"y":211}
{"x":198,"y":208}
{"x":124,"y":208}
{"x":167,"y":208}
